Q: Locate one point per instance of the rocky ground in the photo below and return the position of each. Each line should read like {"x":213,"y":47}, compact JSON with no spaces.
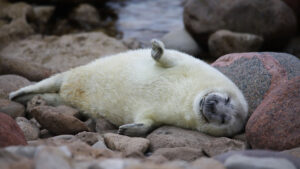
{"x":41,"y":38}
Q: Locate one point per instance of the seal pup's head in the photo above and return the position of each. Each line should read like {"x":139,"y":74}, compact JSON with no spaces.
{"x":220,"y":113}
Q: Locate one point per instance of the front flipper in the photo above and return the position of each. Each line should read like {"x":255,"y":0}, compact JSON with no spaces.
{"x":135,"y":129}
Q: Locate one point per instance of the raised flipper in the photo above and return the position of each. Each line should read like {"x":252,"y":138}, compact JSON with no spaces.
{"x":49,"y":85}
{"x":163,"y":57}
{"x":139,"y":129}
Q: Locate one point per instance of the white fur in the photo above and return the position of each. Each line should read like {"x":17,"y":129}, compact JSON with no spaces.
{"x":132,"y":87}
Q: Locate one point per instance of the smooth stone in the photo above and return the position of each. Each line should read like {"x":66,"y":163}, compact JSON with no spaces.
{"x":11,"y":108}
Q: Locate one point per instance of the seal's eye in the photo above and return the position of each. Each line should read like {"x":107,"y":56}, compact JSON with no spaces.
{"x":227,"y":100}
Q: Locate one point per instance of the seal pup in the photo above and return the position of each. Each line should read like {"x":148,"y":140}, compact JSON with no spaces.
{"x":142,"y":89}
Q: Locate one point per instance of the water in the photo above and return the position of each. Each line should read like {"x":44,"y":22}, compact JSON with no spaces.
{"x":147,"y":19}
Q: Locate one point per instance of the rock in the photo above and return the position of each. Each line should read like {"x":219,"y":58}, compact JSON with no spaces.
{"x":21,"y":67}
{"x":11,"y":108}
{"x":294,"y":152}
{"x":181,"y":40}
{"x":132,"y":43}
{"x":57,"y":122}
{"x":201,"y":18}
{"x":86,"y":16}
{"x":99,"y":145}
{"x":275,"y":124}
{"x":258,"y":159}
{"x":89,"y":137}
{"x":60,"y":140}
{"x":15,"y":20}
{"x":170,"y":137}
{"x":82,"y":151}
{"x":224,"y":42}
{"x":114,"y":164}
{"x":207,"y":163}
{"x":9,"y":83}
{"x":103,"y":126}
{"x":167,"y":165}
{"x":68,"y":110}
{"x":52,"y":157}
{"x":64,"y":52}
{"x":256,"y":74}
{"x":30,"y":130}
{"x":293,"y":47}
{"x":128,"y":145}
{"x":67,"y":2}
{"x":179,"y":153}
{"x":295,"y":5}
{"x":44,"y":133}
{"x":10,"y":133}
{"x":11,"y":161}
{"x":25,"y":151}
{"x":42,"y":16}
{"x":34,"y":102}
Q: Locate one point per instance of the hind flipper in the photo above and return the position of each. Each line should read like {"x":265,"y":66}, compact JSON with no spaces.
{"x":161,"y":56}
{"x":49,"y":85}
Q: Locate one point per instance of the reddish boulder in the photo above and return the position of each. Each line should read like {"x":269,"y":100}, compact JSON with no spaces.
{"x":10,"y":133}
{"x":257,"y":74}
{"x":275,"y":124}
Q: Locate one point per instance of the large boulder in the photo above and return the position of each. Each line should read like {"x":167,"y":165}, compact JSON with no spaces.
{"x":257,"y":74}
{"x":10,"y":133}
{"x":170,"y":137}
{"x":224,"y":42}
{"x":272,"y":19}
{"x":275,"y":124}
{"x":65,"y":52}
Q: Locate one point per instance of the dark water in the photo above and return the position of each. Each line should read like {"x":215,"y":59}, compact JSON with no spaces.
{"x":147,"y":19}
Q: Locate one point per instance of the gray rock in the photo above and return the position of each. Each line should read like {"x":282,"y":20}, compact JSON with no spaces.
{"x":179,"y":153}
{"x":181,"y":40}
{"x":10,"y":160}
{"x":258,"y":159}
{"x":245,"y":162}
{"x":15,"y":22}
{"x":64,"y":52}
{"x":26,"y":151}
{"x":114,"y":164}
{"x":170,"y":137}
{"x":86,"y":16}
{"x":57,"y":122}
{"x":89,"y":137}
{"x":201,"y":18}
{"x":51,"y":158}
{"x":104,"y":126}
{"x":11,"y":108}
{"x":30,"y":130}
{"x":224,"y":42}
{"x":128,"y":145}
{"x":99,"y":145}
{"x":207,"y":163}
{"x":9,"y":83}
{"x":19,"y":66}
